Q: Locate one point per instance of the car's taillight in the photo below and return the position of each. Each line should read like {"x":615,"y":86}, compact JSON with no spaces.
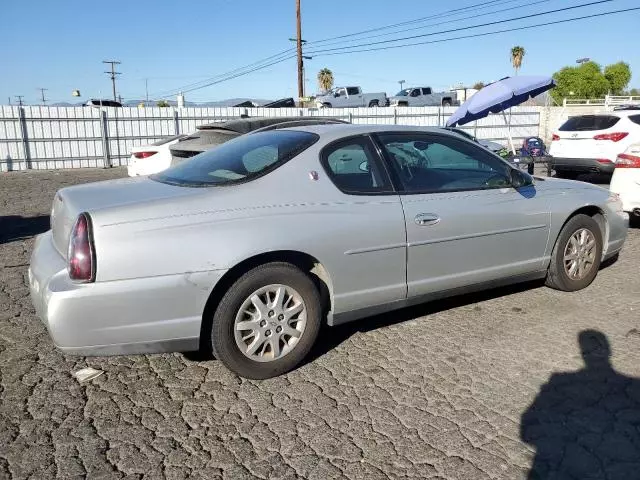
{"x":604,"y":160}
{"x":143,"y":154}
{"x":555,"y":137}
{"x":614,"y":137}
{"x":625,"y":160}
{"x":81,"y":257}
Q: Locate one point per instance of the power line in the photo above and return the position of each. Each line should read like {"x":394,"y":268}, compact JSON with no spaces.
{"x":112,"y":75}
{"x":279,"y":55}
{"x":524,"y":27}
{"x":191,"y":86}
{"x":496,"y":22}
{"x":455,"y":11}
{"x":522,"y":5}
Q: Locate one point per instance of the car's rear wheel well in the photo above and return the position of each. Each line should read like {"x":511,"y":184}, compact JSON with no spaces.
{"x":305,"y":262}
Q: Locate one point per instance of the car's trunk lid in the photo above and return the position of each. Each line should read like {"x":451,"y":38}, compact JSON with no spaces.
{"x":576,"y":138}
{"x":69,"y":202}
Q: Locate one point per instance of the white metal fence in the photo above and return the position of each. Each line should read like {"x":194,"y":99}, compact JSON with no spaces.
{"x":35,"y":137}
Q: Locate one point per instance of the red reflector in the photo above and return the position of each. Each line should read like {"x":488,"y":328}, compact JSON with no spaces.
{"x":143,"y":154}
{"x":614,"y":137}
{"x":555,"y":137}
{"x":80,"y":255}
{"x":604,"y":160}
{"x":625,"y":160}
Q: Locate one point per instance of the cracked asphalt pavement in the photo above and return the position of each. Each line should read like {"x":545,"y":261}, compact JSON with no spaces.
{"x":482,"y":386}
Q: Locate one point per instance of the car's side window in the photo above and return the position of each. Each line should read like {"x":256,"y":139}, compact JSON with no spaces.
{"x":415,"y":92}
{"x":353,"y":167}
{"x":426,"y":91}
{"x":437,"y":163}
{"x":352,"y":90}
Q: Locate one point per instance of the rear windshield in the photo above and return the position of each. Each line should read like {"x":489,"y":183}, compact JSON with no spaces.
{"x":239,"y":160}
{"x":167,"y":140}
{"x":589,"y":122}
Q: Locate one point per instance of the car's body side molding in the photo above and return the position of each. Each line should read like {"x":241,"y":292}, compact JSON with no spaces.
{"x":345,"y":317}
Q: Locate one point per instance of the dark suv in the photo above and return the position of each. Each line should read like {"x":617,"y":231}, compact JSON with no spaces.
{"x":213,"y":134}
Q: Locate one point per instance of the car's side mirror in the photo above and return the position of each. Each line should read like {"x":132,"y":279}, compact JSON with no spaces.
{"x":520,"y":179}
{"x":364,"y":166}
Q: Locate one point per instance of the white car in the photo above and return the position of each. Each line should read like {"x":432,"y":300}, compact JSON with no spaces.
{"x":626,"y":179}
{"x":152,"y":158}
{"x":591,"y":143}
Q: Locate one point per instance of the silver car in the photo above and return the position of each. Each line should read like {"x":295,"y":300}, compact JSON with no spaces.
{"x":248,"y":248}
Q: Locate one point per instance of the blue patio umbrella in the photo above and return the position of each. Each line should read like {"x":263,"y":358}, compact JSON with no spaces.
{"x":499,"y":96}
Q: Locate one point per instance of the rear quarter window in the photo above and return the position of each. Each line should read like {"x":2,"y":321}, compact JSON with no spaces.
{"x":588,"y":123}
{"x":635,"y":119}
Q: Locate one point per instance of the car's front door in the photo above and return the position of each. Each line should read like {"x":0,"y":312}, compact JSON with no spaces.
{"x":465,"y":223}
{"x":368,"y":227}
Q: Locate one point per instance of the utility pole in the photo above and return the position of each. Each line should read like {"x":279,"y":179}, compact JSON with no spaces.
{"x":299,"y":48}
{"x":42,"y":90}
{"x":19,"y":100}
{"x":113,"y":74}
{"x":401,"y":82}
{"x":146,"y":89}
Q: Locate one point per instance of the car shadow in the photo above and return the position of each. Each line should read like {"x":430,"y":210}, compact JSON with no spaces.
{"x":585,"y":423}
{"x":15,"y":227}
{"x":331,"y":337}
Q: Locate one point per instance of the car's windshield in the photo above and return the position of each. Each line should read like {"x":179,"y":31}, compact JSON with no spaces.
{"x":403,"y":93}
{"x":238,"y":160}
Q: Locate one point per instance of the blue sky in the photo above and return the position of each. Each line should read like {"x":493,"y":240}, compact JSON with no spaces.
{"x":59,"y":45}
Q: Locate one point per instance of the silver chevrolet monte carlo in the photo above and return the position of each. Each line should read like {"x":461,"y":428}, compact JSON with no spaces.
{"x":246,"y":249}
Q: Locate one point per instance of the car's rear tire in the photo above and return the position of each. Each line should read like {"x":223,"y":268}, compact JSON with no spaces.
{"x":576,"y":256}
{"x":326,"y":105}
{"x":446,"y":103}
{"x":374,"y":103}
{"x":254,"y":332}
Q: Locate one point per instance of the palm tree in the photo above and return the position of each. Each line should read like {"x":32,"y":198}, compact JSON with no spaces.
{"x":517,"y":54}
{"x":325,"y":79}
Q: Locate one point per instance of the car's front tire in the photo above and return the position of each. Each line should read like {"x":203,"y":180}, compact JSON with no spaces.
{"x":576,"y":256}
{"x":267,"y":321}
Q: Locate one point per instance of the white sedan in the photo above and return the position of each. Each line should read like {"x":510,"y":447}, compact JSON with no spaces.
{"x":152,"y":158}
{"x":626,"y":179}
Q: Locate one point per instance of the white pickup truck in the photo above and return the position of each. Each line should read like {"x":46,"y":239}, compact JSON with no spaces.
{"x":422,"y":97}
{"x":342,"y":97}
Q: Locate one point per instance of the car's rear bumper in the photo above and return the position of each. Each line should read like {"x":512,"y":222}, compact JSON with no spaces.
{"x":143,"y":315}
{"x":585,"y":165}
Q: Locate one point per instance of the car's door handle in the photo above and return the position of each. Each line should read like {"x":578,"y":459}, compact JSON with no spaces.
{"x":425,"y":219}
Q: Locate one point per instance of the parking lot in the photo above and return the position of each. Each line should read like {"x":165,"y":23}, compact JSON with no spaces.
{"x":438,"y":391}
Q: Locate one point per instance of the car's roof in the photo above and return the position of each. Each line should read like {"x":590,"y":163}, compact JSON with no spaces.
{"x":343,"y":130}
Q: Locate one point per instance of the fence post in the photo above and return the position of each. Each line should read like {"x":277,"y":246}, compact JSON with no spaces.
{"x":395,"y":115}
{"x":176,"y":122}
{"x":24,"y":138}
{"x":439,"y":116}
{"x":350,"y":117}
{"x":105,"y":139}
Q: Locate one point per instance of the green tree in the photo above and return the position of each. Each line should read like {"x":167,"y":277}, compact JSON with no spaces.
{"x":162,"y":103}
{"x":517,"y":55}
{"x":618,"y":75}
{"x":325,"y":79}
{"x":634,"y":91}
{"x":584,"y":81}
{"x":478,"y":85}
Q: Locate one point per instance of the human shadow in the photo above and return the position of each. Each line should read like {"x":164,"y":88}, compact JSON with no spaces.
{"x":16,"y":227}
{"x":586,"y":424}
